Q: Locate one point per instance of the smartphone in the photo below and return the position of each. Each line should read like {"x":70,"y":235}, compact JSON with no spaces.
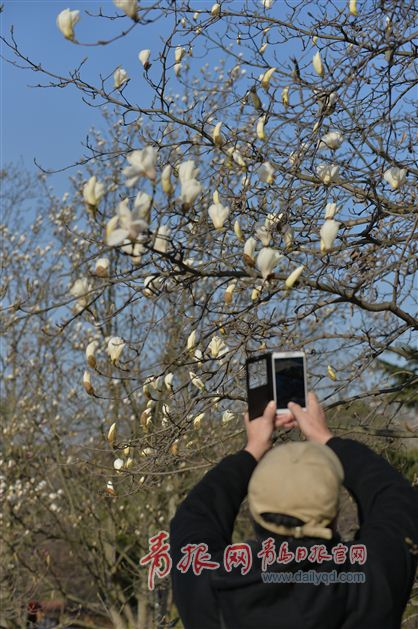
{"x":278,"y":376}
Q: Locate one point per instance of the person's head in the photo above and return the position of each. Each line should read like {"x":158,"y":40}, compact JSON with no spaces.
{"x":295,"y":490}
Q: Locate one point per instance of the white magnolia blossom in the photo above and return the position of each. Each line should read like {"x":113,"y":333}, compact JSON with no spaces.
{"x":162,"y":239}
{"x":266,"y":173}
{"x":395,"y":177}
{"x":190,"y":187}
{"x":144,"y":56}
{"x":264,"y":235}
{"x":66,"y":20}
{"x":294,"y":276}
{"x":217,"y":136}
{"x":111,"y":435}
{"x":142,"y":164}
{"x":331,"y":140}
{"x":327,"y":172}
{"x":260,"y":128}
{"x":215,"y":10}
{"x":328,"y":234}
{"x":256,"y":292}
{"x":317,"y":64}
{"x":102,"y":267}
{"x":168,"y":381}
{"x":135,"y":250}
{"x":80,"y":287}
{"x":179,"y":54}
{"x":218,"y":214}
{"x":93,"y":191}
{"x":91,"y":353}
{"x":330,"y":210}
{"x":266,"y":78}
{"x":120,"y":77}
{"x":197,"y":420}
{"x":267,"y":4}
{"x":272,"y":219}
{"x":353,"y":7}
{"x":166,"y":184}
{"x":152,"y":285}
{"x":129,"y":226}
{"x":115,"y":346}
{"x":217,"y":347}
{"x":130,"y":7}
{"x":228,"y":292}
{"x":187,"y":170}
{"x":237,"y":157}
{"x":227,"y":416}
{"x":238,"y":230}
{"x":88,"y":387}
{"x":285,"y":96}
{"x":118,"y":464}
{"x":267,"y":260}
{"x":249,"y":249}
{"x":177,"y":68}
{"x":191,"y":340}
{"x":142,"y":205}
{"x":196,"y":381}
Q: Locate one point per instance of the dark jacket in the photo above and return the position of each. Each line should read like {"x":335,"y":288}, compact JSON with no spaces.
{"x":388,"y":513}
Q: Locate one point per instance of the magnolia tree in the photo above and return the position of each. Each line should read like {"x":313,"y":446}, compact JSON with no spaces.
{"x":260,"y":195}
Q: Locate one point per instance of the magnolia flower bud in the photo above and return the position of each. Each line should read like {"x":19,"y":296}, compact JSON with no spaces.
{"x":162,"y":239}
{"x":115,"y":347}
{"x":177,"y":68}
{"x":327,"y":172}
{"x":118,"y":464}
{"x":145,"y":418}
{"x":168,"y":381}
{"x":266,"y":173}
{"x":217,"y":135}
{"x":144,"y":56}
{"x":331,"y":140}
{"x":217,"y":347}
{"x":330,"y":210}
{"x":191,"y":341}
{"x":317,"y":64}
{"x":129,"y":463}
{"x":227,"y":417}
{"x":267,"y":4}
{"x":331,"y":373}
{"x":215,"y":197}
{"x":110,"y":489}
{"x":190,"y":190}
{"x":238,"y":230}
{"x":90,"y":354}
{"x":266,"y":77}
{"x":93,"y":191}
{"x":174,"y":448}
{"x":294,"y":276}
{"x":142,"y":163}
{"x":228,"y":292}
{"x":260,"y":128}
{"x":215,"y":10}
{"x":237,"y":157}
{"x":267,"y":260}
{"x":130,"y":7}
{"x":196,"y":381}
{"x":179,"y":54}
{"x":102,"y":267}
{"x":197,"y":420}
{"x":395,"y":177}
{"x":66,"y":20}
{"x":328,"y":234}
{"x":263,"y":47}
{"x":218,"y":214}
{"x":166,"y":184}
{"x":353,"y":7}
{"x":264,"y":235}
{"x":87,"y":383}
{"x":120,"y":77}
{"x":285,"y":96}
{"x":256,"y":292}
{"x":288,"y":238}
{"x":249,"y":249}
{"x":111,"y":435}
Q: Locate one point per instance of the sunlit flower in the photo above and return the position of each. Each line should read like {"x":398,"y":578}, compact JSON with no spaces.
{"x":162,"y":239}
{"x":267,"y":260}
{"x":120,"y":77}
{"x":130,"y":7}
{"x":327,"y":172}
{"x":118,"y":464}
{"x":216,"y":9}
{"x":93,"y":192}
{"x":285,"y":96}
{"x":237,"y":157}
{"x":88,"y":387}
{"x":177,"y":68}
{"x":197,"y":420}
{"x":129,"y":463}
{"x":218,"y":214}
{"x":353,"y":7}
{"x":102,"y":267}
{"x":166,"y":184}
{"x":260,"y":128}
{"x":238,"y":230}
{"x":190,"y":190}
{"x":395,"y":177}
{"x":217,"y":347}
{"x":191,"y":340}
{"x":217,"y":135}
{"x":187,"y":170}
{"x":196,"y":381}
{"x":331,"y":140}
{"x":228,"y":292}
{"x":142,"y":164}
{"x":328,"y":234}
{"x":249,"y":249}
{"x":263,"y":47}
{"x":90,"y":353}
{"x":227,"y":416}
{"x":152,"y":285}
{"x":331,"y":373}
{"x":266,"y":173}
{"x":294,"y":276}
{"x":317,"y":64}
{"x":131,"y":227}
{"x":256,"y":292}
{"x":66,"y":20}
{"x":330,"y":210}
{"x":115,"y":348}
{"x":143,"y":57}
{"x":145,"y":420}
{"x":168,"y":381}
{"x":111,"y":435}
{"x":264,"y":235}
{"x":266,"y":78}
{"x":179,"y":54}
{"x":80,"y":287}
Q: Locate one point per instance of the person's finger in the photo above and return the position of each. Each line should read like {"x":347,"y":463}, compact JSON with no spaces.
{"x":290,"y":424}
{"x":313,"y":401}
{"x":297,"y":411}
{"x":283,"y":418}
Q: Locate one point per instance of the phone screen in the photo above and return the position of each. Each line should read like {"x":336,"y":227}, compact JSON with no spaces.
{"x":290,"y":381}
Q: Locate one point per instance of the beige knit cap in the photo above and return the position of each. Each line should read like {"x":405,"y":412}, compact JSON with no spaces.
{"x":299,"y":479}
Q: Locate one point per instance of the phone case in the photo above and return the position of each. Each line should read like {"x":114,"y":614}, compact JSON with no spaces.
{"x":259,"y":383}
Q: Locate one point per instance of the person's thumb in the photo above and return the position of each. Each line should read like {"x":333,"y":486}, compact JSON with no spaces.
{"x":297,"y":411}
{"x":270,"y":410}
